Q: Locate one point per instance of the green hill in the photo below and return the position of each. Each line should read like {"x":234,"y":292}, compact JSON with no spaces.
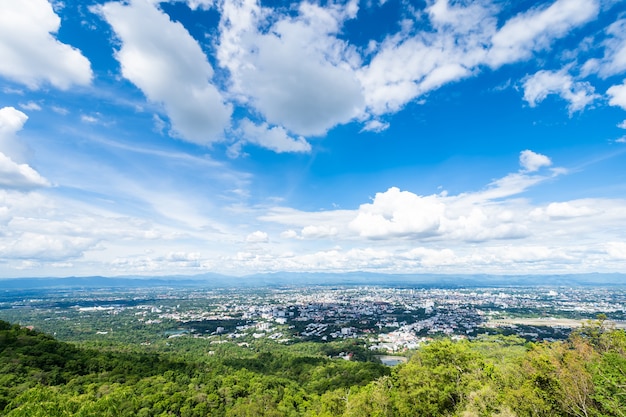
{"x":497,"y":376}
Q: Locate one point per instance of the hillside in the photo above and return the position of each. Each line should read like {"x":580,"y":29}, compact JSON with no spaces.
{"x":498,"y":376}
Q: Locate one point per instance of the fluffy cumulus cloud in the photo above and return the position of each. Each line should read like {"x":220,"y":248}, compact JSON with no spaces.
{"x":19,"y":176}
{"x":318,"y":231}
{"x":29,"y":52}
{"x":296,"y":73}
{"x":484,"y":215}
{"x":396,"y":213}
{"x":614,"y":60}
{"x":200,"y":4}
{"x":375,"y":126}
{"x":536,"y":29}
{"x":531,"y":161}
{"x":257,"y":237}
{"x":275,"y":138}
{"x":289,"y":234}
{"x":161,"y":58}
{"x":15,"y":175}
{"x":11,"y":121}
{"x":578,"y":94}
{"x":617,"y":95}
{"x":616,"y":250}
{"x":493,"y":230}
{"x":565,"y":210}
{"x":412,"y":63}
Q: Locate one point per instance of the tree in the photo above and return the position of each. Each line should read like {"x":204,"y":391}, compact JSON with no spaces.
{"x":437,"y":379}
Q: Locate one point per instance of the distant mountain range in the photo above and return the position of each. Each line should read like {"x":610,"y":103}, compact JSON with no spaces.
{"x":281,"y":279}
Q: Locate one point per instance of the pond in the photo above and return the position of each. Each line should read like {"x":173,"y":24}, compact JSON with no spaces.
{"x":391,"y":360}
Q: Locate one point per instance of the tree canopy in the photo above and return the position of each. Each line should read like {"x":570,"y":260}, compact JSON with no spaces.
{"x":493,"y":376}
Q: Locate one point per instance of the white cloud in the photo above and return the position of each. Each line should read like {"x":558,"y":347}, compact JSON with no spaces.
{"x":538,"y":86}
{"x":296,"y":73}
{"x":520,"y":254}
{"x":29,"y":53}
{"x":566,"y":210}
{"x":431,"y":257}
{"x":525,"y":258}
{"x":411,"y":63}
{"x":396,"y":213}
{"x":318,"y":232}
{"x":616,"y":250}
{"x":622,"y":125}
{"x":183,"y":256}
{"x":375,"y":126}
{"x":168,"y":65}
{"x":531,"y":161}
{"x":297,"y":219}
{"x":257,"y":237}
{"x":615,"y":53}
{"x":461,"y":16}
{"x":88,"y":119}
{"x":31,"y":105}
{"x":408,"y":65}
{"x":617,"y":94}
{"x":60,"y":110}
{"x":44,"y":248}
{"x":507,"y":186}
{"x":479,"y":223}
{"x":19,"y":176}
{"x":536,"y":29}
{"x":274,"y":138}
{"x":614,"y":60}
{"x":46,"y":229}
{"x":183,"y":259}
{"x":289,"y":234}
{"x":11,"y":121}
{"x":14,"y":175}
{"x":334,"y":259}
{"x":202,"y":4}
{"x":468,"y":232}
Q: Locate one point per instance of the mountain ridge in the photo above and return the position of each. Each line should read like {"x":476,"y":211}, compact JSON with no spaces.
{"x":277,"y":279}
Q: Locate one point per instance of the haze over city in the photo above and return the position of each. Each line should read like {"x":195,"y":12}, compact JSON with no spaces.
{"x":239,"y":137}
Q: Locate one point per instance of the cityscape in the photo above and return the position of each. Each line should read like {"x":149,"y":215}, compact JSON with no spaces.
{"x":385,"y":319}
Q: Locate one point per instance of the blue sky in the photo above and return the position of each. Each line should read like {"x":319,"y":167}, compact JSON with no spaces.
{"x":148,"y":138}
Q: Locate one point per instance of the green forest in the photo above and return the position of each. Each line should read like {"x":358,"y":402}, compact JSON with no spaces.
{"x":493,"y":376}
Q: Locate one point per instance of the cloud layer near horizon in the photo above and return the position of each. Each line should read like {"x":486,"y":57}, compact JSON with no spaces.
{"x":491,"y":230}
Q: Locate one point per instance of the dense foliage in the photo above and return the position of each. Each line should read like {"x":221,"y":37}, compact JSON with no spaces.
{"x":497,"y":376}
